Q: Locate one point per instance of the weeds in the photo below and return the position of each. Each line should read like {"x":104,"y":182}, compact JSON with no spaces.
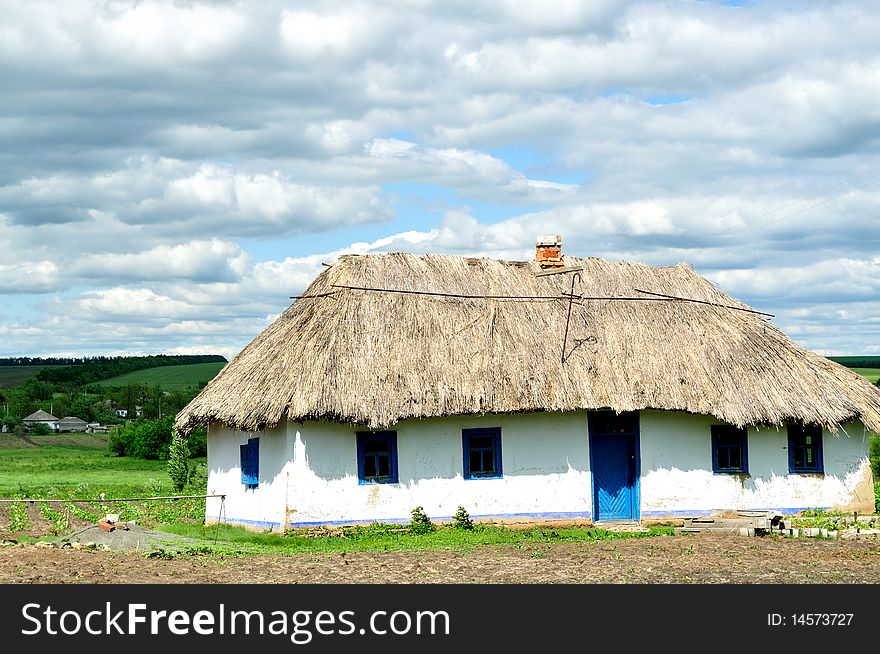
{"x":421,"y":523}
{"x":462,"y":519}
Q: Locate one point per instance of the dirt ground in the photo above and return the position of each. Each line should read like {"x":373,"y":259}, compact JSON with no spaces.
{"x":664,"y":559}
{"x":672,"y":559}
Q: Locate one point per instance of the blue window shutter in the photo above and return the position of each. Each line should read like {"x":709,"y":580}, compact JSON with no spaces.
{"x":245,"y":462}
{"x":254,"y":461}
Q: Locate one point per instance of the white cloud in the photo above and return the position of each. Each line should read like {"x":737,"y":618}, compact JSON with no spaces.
{"x":155,"y":152}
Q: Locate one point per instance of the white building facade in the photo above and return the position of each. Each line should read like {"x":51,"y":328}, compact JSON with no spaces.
{"x":580,"y":465}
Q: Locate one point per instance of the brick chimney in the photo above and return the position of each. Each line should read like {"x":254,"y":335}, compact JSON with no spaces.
{"x":548,"y":251}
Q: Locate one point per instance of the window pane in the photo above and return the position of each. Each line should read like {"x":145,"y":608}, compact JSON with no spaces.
{"x":369,"y":466}
{"x":476,"y":464}
{"x":797,"y":457}
{"x":384,"y":465}
{"x":729,"y":440}
{"x":810,"y":457}
{"x":481,"y":442}
{"x":376,"y":447}
{"x":735,"y":455}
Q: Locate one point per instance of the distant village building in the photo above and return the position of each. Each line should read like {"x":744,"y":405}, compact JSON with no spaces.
{"x":71,"y":423}
{"x":38,"y":417}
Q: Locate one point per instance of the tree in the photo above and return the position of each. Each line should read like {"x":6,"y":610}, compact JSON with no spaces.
{"x":178,"y":462}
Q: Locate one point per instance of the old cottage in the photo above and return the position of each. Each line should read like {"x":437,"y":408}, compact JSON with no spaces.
{"x":557,"y":388}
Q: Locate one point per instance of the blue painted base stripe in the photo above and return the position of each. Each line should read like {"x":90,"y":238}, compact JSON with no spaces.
{"x":563,"y":515}
{"x":243,"y":521}
{"x":552,"y":515}
{"x":694,"y":513}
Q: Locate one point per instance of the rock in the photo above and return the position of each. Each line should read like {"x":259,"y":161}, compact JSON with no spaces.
{"x":45,"y":545}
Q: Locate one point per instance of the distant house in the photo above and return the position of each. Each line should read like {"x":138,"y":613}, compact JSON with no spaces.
{"x":38,"y":417}
{"x":122,"y":412}
{"x":71,"y":423}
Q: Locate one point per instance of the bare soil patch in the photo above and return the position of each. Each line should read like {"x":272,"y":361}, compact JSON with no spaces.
{"x":681,"y":559}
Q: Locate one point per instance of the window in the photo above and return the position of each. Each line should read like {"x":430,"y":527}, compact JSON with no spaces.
{"x":729,"y":449}
{"x":608,"y":422}
{"x":250,"y":463}
{"x":804,"y":448}
{"x":377,"y":457}
{"x":482,"y":453}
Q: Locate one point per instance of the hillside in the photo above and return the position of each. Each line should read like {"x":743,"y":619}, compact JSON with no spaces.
{"x":871,"y":374}
{"x":14,"y":376}
{"x":168,"y":377}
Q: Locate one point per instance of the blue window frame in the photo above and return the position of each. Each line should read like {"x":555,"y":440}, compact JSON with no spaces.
{"x":377,"y":457}
{"x":730,"y":449}
{"x":250,"y":463}
{"x":805,"y":448}
{"x":482,"y":453}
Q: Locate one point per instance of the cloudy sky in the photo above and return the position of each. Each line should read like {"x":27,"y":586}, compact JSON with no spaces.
{"x":171,"y":172}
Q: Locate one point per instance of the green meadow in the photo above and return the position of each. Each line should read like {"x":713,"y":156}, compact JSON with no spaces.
{"x":871,"y":374}
{"x":169,"y":377}
{"x":14,"y":376}
{"x":65,"y":469}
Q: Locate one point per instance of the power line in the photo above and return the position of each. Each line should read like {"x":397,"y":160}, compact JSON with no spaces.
{"x":660,"y":297}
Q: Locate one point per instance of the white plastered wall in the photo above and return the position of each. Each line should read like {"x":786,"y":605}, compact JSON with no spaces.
{"x":308,"y":471}
{"x":677,"y":477}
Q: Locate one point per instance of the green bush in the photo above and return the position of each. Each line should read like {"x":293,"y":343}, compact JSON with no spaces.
{"x":198,"y":479}
{"x":178,"y":463}
{"x":875,"y":456}
{"x":463,"y":519}
{"x":421,"y":523}
{"x":41,"y":429}
{"x":197,"y":442}
{"x":148,"y":439}
{"x":116,"y":441}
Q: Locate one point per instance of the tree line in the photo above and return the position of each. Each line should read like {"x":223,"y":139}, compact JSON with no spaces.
{"x":97,"y":369}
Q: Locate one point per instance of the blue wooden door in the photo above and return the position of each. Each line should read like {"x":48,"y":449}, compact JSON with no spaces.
{"x":614,"y":462}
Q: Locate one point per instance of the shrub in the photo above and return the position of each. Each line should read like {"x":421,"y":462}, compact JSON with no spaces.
{"x":198,"y":479}
{"x":178,"y":463}
{"x":117,"y":441}
{"x":463,"y":519}
{"x":197,"y":442}
{"x":875,"y":456}
{"x":41,"y":429}
{"x":421,"y":523}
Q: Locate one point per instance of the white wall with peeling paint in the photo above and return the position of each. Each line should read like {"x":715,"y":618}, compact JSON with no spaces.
{"x":677,"y":477}
{"x":308,"y":471}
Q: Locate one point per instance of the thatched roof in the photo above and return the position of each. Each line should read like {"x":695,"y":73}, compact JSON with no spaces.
{"x":374,"y":358}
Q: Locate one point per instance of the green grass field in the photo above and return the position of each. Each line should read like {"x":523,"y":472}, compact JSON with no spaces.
{"x":66,"y":468}
{"x":871,"y":374}
{"x":13,"y":376}
{"x":169,"y":377}
{"x":385,"y":538}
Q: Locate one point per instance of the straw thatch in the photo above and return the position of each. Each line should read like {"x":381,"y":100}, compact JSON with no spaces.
{"x":375,"y":358}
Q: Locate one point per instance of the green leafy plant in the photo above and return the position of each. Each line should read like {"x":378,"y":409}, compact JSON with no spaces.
{"x":198,"y":478}
{"x":462,"y":519}
{"x":420,"y":522}
{"x":19,"y":518}
{"x":178,"y":463}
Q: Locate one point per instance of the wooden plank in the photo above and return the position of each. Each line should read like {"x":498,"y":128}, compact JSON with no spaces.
{"x":559,"y":271}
